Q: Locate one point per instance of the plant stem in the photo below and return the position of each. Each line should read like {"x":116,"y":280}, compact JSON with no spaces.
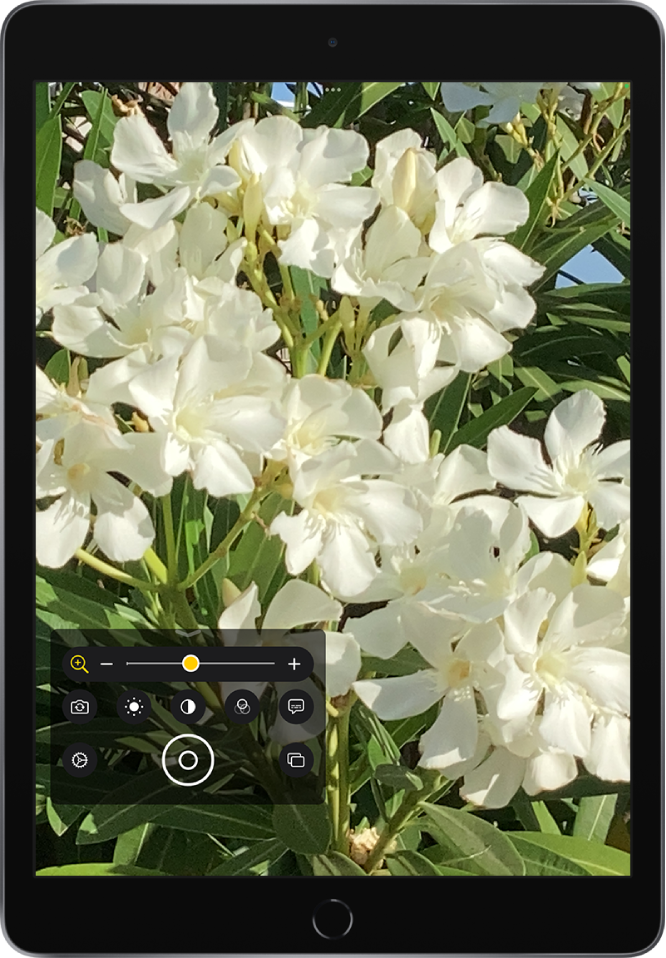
{"x":246,"y":515}
{"x":155,"y":565}
{"x":104,"y":567}
{"x":405,"y":811}
{"x":327,"y":347}
{"x":337,"y":789}
{"x":172,"y":562}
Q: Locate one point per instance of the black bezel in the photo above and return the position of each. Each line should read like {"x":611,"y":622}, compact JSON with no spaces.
{"x":196,"y":915}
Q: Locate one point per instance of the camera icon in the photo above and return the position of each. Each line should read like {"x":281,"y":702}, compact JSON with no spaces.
{"x":79,"y":707}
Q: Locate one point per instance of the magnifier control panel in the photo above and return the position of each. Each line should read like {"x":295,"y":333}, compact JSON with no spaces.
{"x":174,"y":717}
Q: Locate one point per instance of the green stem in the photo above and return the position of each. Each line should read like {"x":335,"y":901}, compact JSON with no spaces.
{"x":337,"y":788}
{"x":155,"y":565}
{"x":104,"y":567}
{"x":327,"y":347}
{"x":601,"y":158}
{"x":262,"y":767}
{"x":402,"y":815}
{"x":172,"y":562}
{"x":226,"y":544}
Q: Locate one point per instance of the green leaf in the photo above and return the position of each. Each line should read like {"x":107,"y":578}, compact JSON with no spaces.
{"x":617,"y":250}
{"x":308,"y":288}
{"x":547,"y":823}
{"x":544,"y":344}
{"x":597,"y":859}
{"x":335,"y":863}
{"x":445,"y":409}
{"x":99,"y":104}
{"x":537,"y":194}
{"x":471,"y":843}
{"x":42,"y":105}
{"x":83,"y":604}
{"x":221,"y":93}
{"x":254,"y":860}
{"x":431,"y":87}
{"x":594,"y":816}
{"x":60,"y":817}
{"x":252,"y":822}
{"x":57,"y":367}
{"x":475,"y":432}
{"x":48,"y":150}
{"x":342,"y":106}
{"x":411,"y":863}
{"x":544,"y":861}
{"x":93,"y":869}
{"x":448,"y":134}
{"x":130,"y":844}
{"x":570,"y":144}
{"x":303,"y":828}
{"x":612,"y":200}
{"x":398,"y":777}
{"x":257,"y":555}
{"x":543,"y":387}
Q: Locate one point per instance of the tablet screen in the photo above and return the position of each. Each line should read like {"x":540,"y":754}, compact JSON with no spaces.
{"x":332,"y":440}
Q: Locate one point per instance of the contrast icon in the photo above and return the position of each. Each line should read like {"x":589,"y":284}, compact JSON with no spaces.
{"x":78,"y":663}
{"x":188,"y":706}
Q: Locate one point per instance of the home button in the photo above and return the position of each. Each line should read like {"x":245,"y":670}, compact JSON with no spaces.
{"x":332,"y":919}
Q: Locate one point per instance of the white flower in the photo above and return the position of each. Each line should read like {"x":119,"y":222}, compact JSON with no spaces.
{"x":203,"y":433}
{"x":319,"y":412}
{"x":58,"y":412}
{"x":101,"y":195}
{"x":612,"y":562}
{"x":458,"y":670}
{"x":405,"y":176}
{"x":194,"y":171}
{"x":296,"y":605}
{"x":561,"y":666}
{"x":468,"y":207}
{"x":503,"y":98}
{"x":345,"y":517}
{"x":387,"y":265}
{"x":62,"y":270}
{"x":581,"y":472}
{"x":79,"y":476}
{"x":300,"y":172}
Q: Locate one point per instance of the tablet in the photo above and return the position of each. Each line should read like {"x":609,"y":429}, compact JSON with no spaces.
{"x":332,"y":535}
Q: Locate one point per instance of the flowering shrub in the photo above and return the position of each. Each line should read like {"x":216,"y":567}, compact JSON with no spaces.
{"x":296,"y":373}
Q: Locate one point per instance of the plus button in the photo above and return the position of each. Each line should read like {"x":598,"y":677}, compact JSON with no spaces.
{"x":293,"y":663}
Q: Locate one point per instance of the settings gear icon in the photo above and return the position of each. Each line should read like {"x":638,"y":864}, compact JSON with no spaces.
{"x":79,"y":760}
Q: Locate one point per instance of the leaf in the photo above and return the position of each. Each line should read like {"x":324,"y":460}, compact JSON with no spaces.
{"x":411,"y":863}
{"x":335,"y":863}
{"x":254,"y":860}
{"x":42,"y":105}
{"x":303,"y":828}
{"x":83,"y":604}
{"x":475,"y":432}
{"x":94,"y":102}
{"x":398,"y":777}
{"x":60,"y":817}
{"x":546,"y":343}
{"x":617,"y":250}
{"x":541,"y":383}
{"x":544,"y":861}
{"x":57,"y":367}
{"x":221,"y":93}
{"x":448,"y":134}
{"x":252,"y":822}
{"x":93,"y":869}
{"x":445,"y":409}
{"x":342,"y":106}
{"x":570,"y":144}
{"x":308,"y":288}
{"x":130,"y":844}
{"x":471,"y":843}
{"x":613,"y":201}
{"x":48,"y":150}
{"x":597,"y":859}
{"x":594,"y":817}
{"x":537,"y":194}
{"x":547,"y":823}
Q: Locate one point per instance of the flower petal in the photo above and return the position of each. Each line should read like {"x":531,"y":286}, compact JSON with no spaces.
{"x":221,"y":471}
{"x":138,"y":151}
{"x":454,"y":734}
{"x":100,"y":196}
{"x":193,"y":112}
{"x":517,"y":462}
{"x":123,"y":527}
{"x":554,"y":516}
{"x":297,"y":604}
{"x":604,"y":674}
{"x":549,"y":770}
{"x":611,"y":502}
{"x":400,"y":697}
{"x":608,"y":757}
{"x":566,"y":723}
{"x":242,"y":613}
{"x":343,"y":662}
{"x":61,"y":529}
{"x":574,"y":424}
{"x":494,"y":783}
{"x":151,"y":214}
{"x":302,"y":535}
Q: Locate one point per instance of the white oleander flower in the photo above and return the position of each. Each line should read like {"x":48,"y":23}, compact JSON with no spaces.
{"x":387,"y":265}
{"x":405,"y":176}
{"x":319,"y":412}
{"x":57,"y":411}
{"x":300,"y":174}
{"x":459,"y":670}
{"x":345,"y":517}
{"x":580,"y":472}
{"x":61,"y":270}
{"x":78,"y":473}
{"x":101,"y":196}
{"x":207,"y":418}
{"x":504,"y":98}
{"x":196,"y":168}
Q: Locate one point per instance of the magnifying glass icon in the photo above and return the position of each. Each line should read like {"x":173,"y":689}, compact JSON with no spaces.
{"x":79,"y":663}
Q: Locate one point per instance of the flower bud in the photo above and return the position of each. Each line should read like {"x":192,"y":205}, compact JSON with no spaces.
{"x":230,"y":592}
{"x":253,"y":205}
{"x":404,"y":180}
